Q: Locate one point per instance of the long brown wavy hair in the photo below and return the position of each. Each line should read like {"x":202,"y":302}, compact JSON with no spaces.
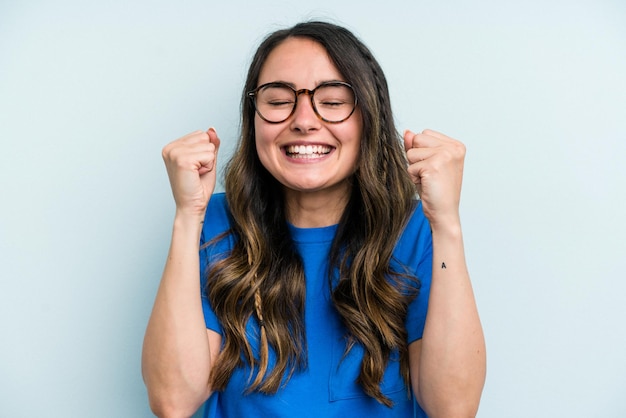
{"x":262,"y":278}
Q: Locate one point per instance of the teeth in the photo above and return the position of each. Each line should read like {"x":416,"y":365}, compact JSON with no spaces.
{"x":307,"y":150}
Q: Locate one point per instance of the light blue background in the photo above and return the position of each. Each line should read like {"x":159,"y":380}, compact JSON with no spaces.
{"x":91,"y":91}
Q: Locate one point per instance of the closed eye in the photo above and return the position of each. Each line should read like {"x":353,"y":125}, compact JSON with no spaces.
{"x":280,"y":103}
{"x":332,"y":103}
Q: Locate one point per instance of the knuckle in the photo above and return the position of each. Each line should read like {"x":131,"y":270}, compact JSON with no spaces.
{"x":166,"y":151}
{"x":459,"y":149}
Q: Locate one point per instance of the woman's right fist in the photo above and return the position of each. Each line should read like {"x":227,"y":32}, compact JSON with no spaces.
{"x":191,"y":163}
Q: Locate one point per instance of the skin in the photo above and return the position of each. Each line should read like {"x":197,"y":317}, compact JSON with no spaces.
{"x":316,"y":190}
{"x":447,"y":366}
{"x":179,"y":350}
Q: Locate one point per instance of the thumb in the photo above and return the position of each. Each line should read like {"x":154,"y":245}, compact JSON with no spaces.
{"x":213,"y":138}
{"x":210,"y":164}
{"x":408,"y":139}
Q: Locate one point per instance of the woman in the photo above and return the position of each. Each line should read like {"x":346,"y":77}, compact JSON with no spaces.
{"x":327,"y":289}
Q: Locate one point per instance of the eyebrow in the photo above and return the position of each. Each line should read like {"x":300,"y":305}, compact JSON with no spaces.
{"x":293,"y":86}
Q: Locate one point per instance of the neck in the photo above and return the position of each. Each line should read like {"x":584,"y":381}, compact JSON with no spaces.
{"x":316,"y":209}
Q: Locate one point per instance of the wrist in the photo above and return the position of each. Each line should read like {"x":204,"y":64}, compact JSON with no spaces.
{"x":450,"y":229}
{"x":188,"y":221}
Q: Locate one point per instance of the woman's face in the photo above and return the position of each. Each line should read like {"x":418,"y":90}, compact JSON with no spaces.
{"x":304,"y":153}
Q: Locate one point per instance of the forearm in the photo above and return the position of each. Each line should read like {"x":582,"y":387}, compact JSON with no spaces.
{"x":176,"y":359}
{"x":452,"y":360}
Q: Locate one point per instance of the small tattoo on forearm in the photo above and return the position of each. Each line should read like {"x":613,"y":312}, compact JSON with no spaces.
{"x":443,"y":265}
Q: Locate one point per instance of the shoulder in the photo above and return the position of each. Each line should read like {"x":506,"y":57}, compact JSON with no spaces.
{"x":217,"y":204}
{"x":416,"y":238}
{"x":217,"y":219}
{"x":417,"y":227}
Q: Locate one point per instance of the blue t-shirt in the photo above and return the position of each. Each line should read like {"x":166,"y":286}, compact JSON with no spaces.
{"x":327,"y":387}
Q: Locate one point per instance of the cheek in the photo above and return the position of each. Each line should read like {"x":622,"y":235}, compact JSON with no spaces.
{"x":261,"y":136}
{"x":267,"y":132}
{"x":356,"y":134}
{"x":353,"y":135}
{"x":264,"y":142}
{"x":354,"y":128}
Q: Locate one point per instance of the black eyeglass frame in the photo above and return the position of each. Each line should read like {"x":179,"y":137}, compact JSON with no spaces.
{"x":253,"y":93}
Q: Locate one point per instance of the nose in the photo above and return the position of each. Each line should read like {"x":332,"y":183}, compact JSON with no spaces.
{"x":304,"y":118}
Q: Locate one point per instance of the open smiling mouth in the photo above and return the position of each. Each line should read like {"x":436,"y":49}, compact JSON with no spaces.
{"x":307,"y":151}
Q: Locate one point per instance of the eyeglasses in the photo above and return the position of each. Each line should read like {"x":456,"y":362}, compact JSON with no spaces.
{"x":332,"y":102}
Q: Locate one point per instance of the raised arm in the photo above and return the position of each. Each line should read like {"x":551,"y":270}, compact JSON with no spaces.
{"x":178,"y":350}
{"x":448,"y":363}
